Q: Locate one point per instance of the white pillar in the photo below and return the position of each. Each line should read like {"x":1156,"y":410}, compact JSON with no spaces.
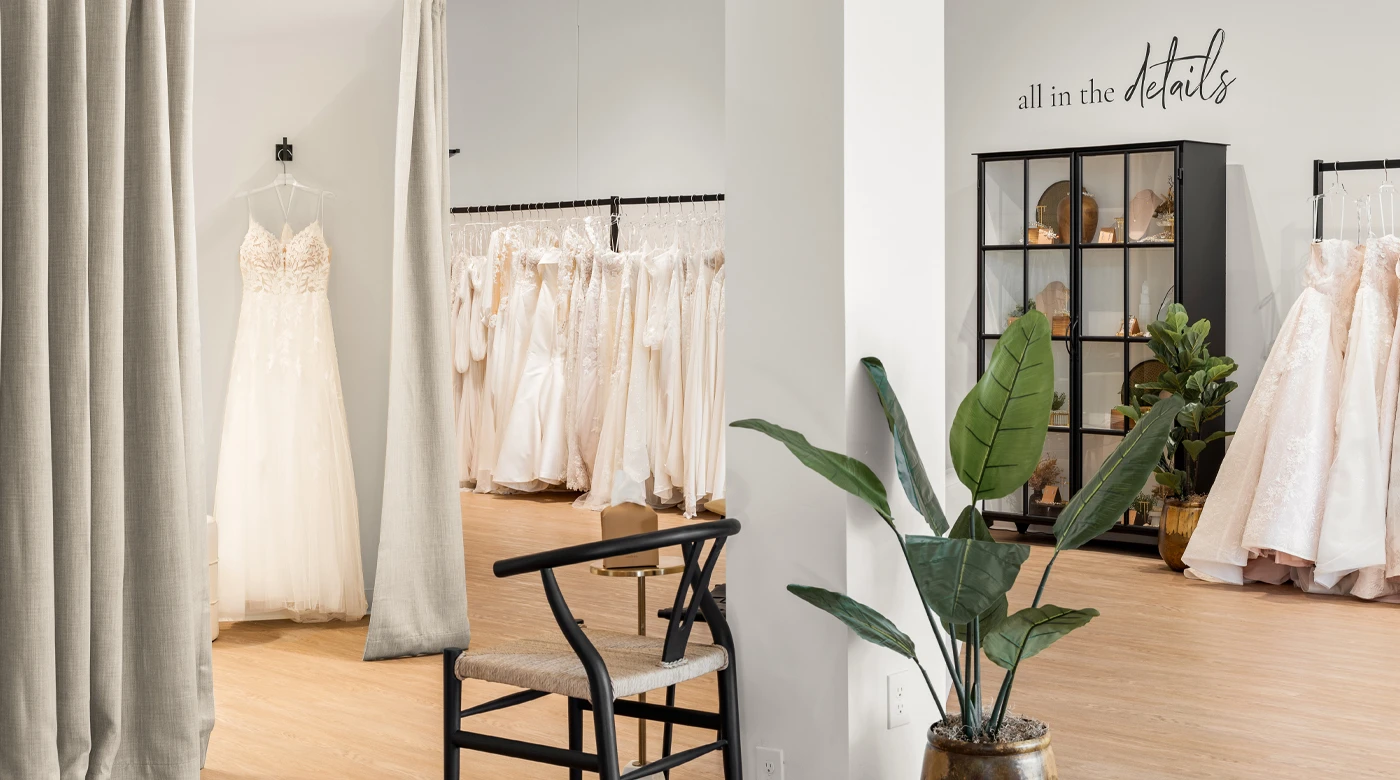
{"x":834,"y":145}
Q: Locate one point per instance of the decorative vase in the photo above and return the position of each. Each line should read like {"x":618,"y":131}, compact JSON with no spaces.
{"x":952,"y":759}
{"x":1179,"y":520}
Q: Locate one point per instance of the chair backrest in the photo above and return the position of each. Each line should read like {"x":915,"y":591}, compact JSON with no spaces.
{"x":694,"y":587}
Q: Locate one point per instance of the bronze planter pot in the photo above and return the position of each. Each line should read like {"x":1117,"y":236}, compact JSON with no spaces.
{"x":952,"y":759}
{"x":1179,"y":519}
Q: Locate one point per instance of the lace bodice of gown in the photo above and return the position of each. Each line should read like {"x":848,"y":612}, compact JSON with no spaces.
{"x":1334,"y":270}
{"x":294,"y":263}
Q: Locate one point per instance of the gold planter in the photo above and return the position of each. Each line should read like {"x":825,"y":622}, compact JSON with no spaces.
{"x":1179,"y":520}
{"x":952,"y":759}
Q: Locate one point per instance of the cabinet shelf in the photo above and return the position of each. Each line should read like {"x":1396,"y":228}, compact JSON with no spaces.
{"x":1167,"y":244}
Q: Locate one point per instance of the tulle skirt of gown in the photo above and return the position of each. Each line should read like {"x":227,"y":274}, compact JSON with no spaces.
{"x":1269,"y":495}
{"x":285,"y":498}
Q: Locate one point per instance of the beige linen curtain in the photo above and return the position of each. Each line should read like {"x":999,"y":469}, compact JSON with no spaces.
{"x":420,"y":591}
{"x":104,"y":622}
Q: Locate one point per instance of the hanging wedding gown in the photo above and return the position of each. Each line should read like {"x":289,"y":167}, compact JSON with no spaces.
{"x":663,"y":339}
{"x":469,"y":357}
{"x":616,"y":382}
{"x":285,"y":495}
{"x":580,"y":249}
{"x":523,"y":443}
{"x":1269,"y":495}
{"x":715,"y":387}
{"x":1352,"y":535}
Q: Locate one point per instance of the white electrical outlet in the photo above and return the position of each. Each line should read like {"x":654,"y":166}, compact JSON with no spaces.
{"x":898,"y":697}
{"x":770,"y":763}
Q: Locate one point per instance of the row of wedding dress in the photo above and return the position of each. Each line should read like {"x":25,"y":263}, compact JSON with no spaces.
{"x":1309,"y":490}
{"x":582,"y":368}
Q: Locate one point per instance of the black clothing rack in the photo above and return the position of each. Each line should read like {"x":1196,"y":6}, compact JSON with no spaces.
{"x":1321,"y":167}
{"x":613,"y":202}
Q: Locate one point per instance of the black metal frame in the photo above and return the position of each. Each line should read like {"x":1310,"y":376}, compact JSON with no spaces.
{"x":692,"y":598}
{"x":613,"y":202}
{"x":1198,"y":276}
{"x":1321,"y":167}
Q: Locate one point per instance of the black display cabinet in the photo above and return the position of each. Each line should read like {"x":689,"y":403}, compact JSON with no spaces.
{"x":1100,"y":239}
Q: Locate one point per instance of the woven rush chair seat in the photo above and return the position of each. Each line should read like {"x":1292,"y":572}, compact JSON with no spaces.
{"x":549,"y":664}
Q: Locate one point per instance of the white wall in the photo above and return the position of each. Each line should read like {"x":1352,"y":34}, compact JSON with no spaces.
{"x":324,"y":73}
{"x":565,"y":99}
{"x":1310,"y":85}
{"x":834,"y":214}
{"x":894,"y":279}
{"x":786,"y":361}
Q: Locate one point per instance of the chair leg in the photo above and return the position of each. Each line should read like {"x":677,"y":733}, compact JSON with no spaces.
{"x":729,"y":717}
{"x":452,"y":714}
{"x":669,"y":729}
{"x":605,"y":732}
{"x":575,"y":733}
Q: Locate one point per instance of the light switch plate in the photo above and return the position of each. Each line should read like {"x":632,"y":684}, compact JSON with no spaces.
{"x":769,"y":763}
{"x":897,"y":698}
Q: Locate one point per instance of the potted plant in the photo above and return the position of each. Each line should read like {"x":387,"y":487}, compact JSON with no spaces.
{"x":1044,"y":484}
{"x":1019,"y":312}
{"x":1058,"y":414}
{"x":1141,"y":511}
{"x":962,"y":574}
{"x":1201,"y":382}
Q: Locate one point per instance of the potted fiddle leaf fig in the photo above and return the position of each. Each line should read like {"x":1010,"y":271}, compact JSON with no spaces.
{"x":1201,"y":381}
{"x":962,"y":574}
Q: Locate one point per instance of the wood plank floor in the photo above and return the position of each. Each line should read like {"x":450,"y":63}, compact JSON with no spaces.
{"x":1176,"y":679}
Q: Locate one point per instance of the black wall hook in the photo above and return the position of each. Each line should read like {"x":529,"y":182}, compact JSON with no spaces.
{"x":283,"y":152}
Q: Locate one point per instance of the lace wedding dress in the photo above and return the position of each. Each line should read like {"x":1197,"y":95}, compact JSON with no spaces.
{"x":1266,"y":507}
{"x":285,"y":496}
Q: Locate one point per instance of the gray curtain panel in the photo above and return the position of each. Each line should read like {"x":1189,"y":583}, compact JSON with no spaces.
{"x":104,"y":614}
{"x":420,"y":590}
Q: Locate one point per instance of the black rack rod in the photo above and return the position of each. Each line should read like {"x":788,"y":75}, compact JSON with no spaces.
{"x":1321,"y":167}
{"x":590,"y":203}
{"x":717,"y":196}
{"x":558,"y":204}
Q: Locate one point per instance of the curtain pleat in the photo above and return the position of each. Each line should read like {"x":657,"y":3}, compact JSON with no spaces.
{"x":420,"y":592}
{"x":103,"y":601}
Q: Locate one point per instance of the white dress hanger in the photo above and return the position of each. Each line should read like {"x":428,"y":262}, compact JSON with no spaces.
{"x":286,"y":179}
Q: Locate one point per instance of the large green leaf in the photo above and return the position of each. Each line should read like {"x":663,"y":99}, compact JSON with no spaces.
{"x":991,"y":619}
{"x":843,"y":471}
{"x":970,"y":525}
{"x":1031,"y":630}
{"x":961,"y":579}
{"x":1109,"y":493}
{"x":864,"y":621}
{"x":906,"y":456}
{"x":999,"y":429}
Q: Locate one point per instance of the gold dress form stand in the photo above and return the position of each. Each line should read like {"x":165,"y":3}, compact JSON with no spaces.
{"x":668,"y":565}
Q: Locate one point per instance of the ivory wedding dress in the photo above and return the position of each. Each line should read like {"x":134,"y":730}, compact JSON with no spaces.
{"x":1267,"y":503}
{"x":1352,"y":535}
{"x":285,"y":495}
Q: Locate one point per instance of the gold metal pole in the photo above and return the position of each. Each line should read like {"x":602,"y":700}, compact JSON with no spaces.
{"x":642,"y":631}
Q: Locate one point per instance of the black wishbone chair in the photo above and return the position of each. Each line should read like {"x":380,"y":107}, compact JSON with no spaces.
{"x":597,"y":669}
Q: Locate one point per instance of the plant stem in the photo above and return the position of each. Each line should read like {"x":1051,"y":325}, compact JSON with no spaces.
{"x":1003,"y":701}
{"x":949,"y":661}
{"x":937,"y":699}
{"x":975,"y":640}
{"x":1004,"y":693}
{"x":970,"y":723}
{"x":1040,"y":591}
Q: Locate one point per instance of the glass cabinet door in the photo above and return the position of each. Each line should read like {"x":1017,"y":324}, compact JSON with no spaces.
{"x":1048,"y":201}
{"x":1101,"y":197}
{"x":1152,"y":197}
{"x":1004,"y":203}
